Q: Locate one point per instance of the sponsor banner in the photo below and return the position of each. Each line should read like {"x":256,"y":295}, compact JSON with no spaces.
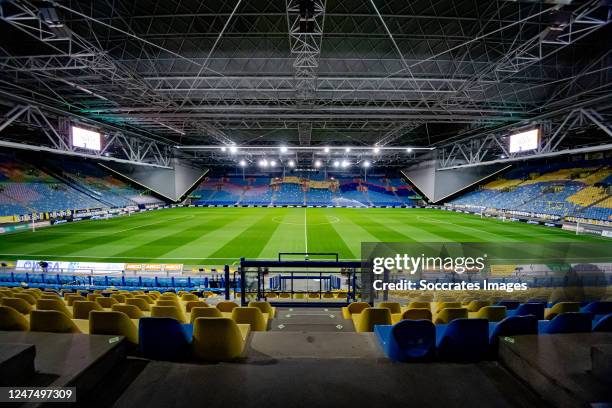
{"x":30,"y":217}
{"x":69,"y":267}
{"x":171,"y":268}
{"x":7,"y":219}
{"x":606,"y":233}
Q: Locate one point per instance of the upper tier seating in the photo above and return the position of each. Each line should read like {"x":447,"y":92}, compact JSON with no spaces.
{"x":564,"y":189}
{"x":30,"y":187}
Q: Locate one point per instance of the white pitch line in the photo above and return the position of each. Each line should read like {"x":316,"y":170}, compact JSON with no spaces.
{"x":305,"y":231}
{"x":143,"y":257}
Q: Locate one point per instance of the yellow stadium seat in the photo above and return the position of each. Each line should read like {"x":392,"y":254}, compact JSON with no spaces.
{"x":12,"y":320}
{"x":18,"y":304}
{"x":37,"y":293}
{"x":476,"y":305}
{"x":561,"y":307}
{"x":168,"y":311}
{"x":106,"y":302}
{"x":194,"y":303}
{"x":412,"y":314}
{"x":369,"y":317}
{"x":218,"y":338}
{"x":394,"y":307}
{"x":146,"y":298}
{"x":70,"y":299}
{"x":204,"y":312}
{"x":251,"y":315}
{"x":419,"y":305}
{"x":491,"y":313}
{"x":265,"y":307}
{"x":53,"y":304}
{"x":49,"y":295}
{"x":444,"y":305}
{"x":313,"y":295}
{"x":285,"y":296}
{"x":449,"y":314}
{"x":81,"y":308}
{"x":27,"y":297}
{"x":355,"y":307}
{"x":133,"y":312}
{"x":52,"y":321}
{"x":118,"y":297}
{"x":168,"y":302}
{"x":271,"y":295}
{"x":113,"y":323}
{"x":154,"y":294}
{"x":93,"y":296}
{"x":188,"y":297}
{"x":168,"y":295}
{"x":328,"y":295}
{"x":226,"y":306}
{"x":139,"y":303}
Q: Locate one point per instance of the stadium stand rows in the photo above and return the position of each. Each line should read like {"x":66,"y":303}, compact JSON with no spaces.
{"x":294,"y":190}
{"x":581,"y":190}
{"x":55,"y":186}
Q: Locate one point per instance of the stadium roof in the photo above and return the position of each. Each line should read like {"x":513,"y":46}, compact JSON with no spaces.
{"x":311,"y":72}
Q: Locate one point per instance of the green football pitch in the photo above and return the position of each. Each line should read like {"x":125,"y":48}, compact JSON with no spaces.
{"x":215,"y":236}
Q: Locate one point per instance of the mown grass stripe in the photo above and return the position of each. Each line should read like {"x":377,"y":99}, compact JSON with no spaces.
{"x":249,"y":242}
{"x":323,"y":237}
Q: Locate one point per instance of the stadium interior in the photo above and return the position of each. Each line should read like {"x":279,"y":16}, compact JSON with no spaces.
{"x":195,"y":198}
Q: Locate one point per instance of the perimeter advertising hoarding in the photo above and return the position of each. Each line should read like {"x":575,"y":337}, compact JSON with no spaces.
{"x":69,"y":267}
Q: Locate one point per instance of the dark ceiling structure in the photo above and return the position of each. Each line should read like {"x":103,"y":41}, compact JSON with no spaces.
{"x":454,"y":75}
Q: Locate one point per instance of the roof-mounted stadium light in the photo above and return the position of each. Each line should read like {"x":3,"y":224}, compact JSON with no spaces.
{"x":376,"y":150}
{"x":345,"y":164}
{"x":291,"y":163}
{"x":263,"y":163}
{"x":409,"y":150}
{"x":233,"y":149}
{"x":283,"y":149}
{"x":347,"y":149}
{"x":336,"y":163}
{"x":223,"y":149}
{"x":242,"y":163}
{"x":317,"y":164}
{"x":272,"y":163}
{"x":366,"y":164}
{"x":326,"y":149}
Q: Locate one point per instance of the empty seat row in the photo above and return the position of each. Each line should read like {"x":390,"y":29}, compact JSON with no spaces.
{"x":210,"y":338}
{"x":474,"y":339}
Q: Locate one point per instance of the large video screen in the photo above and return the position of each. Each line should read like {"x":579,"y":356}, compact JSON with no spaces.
{"x":87,"y":139}
{"x":524,"y":141}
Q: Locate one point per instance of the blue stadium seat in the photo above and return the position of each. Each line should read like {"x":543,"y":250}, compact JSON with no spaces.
{"x":598,"y":308}
{"x":164,"y":338}
{"x":510,"y":304}
{"x":571,"y":322}
{"x":536,"y":309}
{"x":408,"y":340}
{"x":604,"y":324}
{"x":463,"y":340}
{"x":512,"y":326}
